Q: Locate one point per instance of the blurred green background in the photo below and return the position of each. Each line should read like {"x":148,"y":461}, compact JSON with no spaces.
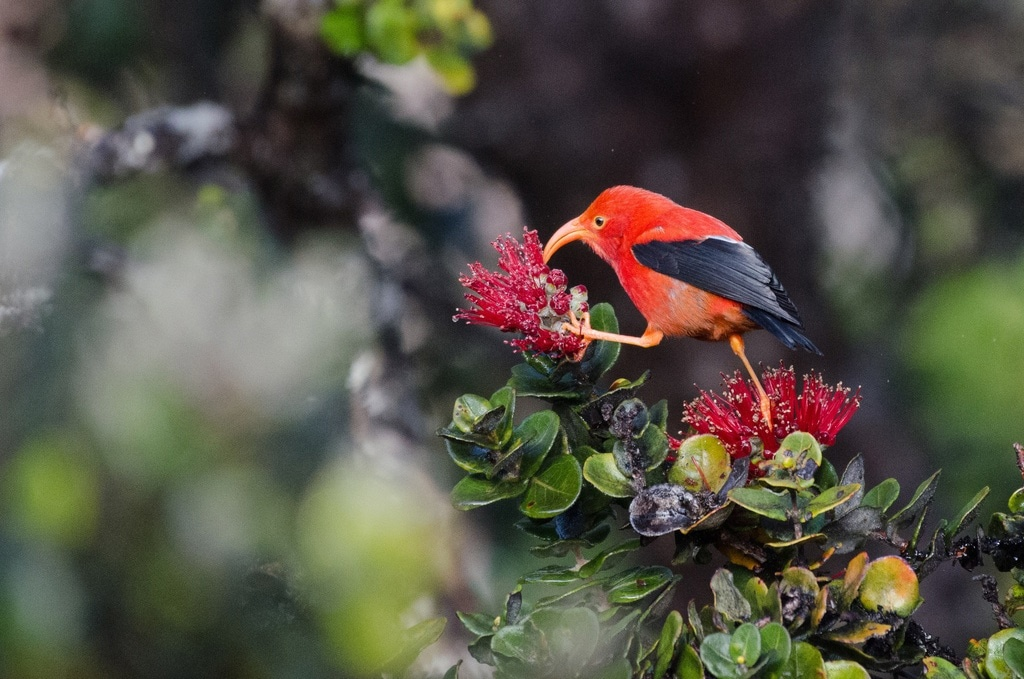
{"x":221,"y":364}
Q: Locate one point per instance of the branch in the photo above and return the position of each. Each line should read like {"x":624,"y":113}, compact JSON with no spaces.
{"x":161,"y":138}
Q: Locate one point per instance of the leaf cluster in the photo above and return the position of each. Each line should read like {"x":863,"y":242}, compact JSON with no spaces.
{"x":784,"y":604}
{"x":446,"y":32}
{"x":604,"y":623}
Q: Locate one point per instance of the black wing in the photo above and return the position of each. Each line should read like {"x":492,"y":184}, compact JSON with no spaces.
{"x":730,"y":269}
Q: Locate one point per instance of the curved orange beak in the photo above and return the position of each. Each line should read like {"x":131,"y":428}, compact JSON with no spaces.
{"x":571,"y":231}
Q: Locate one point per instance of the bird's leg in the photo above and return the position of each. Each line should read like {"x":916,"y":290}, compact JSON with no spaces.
{"x":581,"y":327}
{"x":736,"y":342}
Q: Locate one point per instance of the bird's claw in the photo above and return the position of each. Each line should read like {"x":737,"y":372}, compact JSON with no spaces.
{"x":578,"y":325}
{"x":766,"y":412}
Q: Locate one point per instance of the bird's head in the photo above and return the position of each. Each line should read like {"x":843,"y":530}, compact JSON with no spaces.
{"x":619,"y":215}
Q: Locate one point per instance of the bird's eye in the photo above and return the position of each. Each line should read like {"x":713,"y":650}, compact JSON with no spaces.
{"x":599,"y":222}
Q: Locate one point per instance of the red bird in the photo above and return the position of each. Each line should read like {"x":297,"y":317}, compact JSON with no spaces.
{"x":688,"y":273}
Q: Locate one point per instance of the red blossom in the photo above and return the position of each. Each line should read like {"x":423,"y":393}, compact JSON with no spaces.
{"x":819,"y":409}
{"x":529,"y":298}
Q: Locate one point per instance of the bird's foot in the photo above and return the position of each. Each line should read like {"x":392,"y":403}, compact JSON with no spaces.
{"x":578,"y":325}
{"x":766,"y":409}
{"x":736,"y":342}
{"x":581,"y":326}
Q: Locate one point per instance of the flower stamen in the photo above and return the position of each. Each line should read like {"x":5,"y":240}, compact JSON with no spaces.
{"x":529,"y":298}
{"x":734,"y":416}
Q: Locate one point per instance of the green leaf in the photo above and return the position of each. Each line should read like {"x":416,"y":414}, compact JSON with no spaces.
{"x":473,"y":491}
{"x":475,"y":30}
{"x":846,"y":589}
{"x":545,"y":530}
{"x":560,"y":548}
{"x":764,"y":602}
{"x":601,"y":356}
{"x":670,"y":633}
{"x":702,"y":463}
{"x":551,"y":575}
{"x":659,"y":414}
{"x":845,"y":669}
{"x":637,"y":583}
{"x":391,"y":32}
{"x":618,"y":668}
{"x":342,"y":30}
{"x":504,"y":398}
{"x":656,"y":607}
{"x":514,"y":641}
{"x":453,"y":671}
{"x":485,"y":440}
{"x":412,"y":641}
{"x":883,"y":495}
{"x":805,"y":662}
{"x":1016,"y":502}
{"x":745,"y":647}
{"x":468,"y":410}
{"x":729,"y":601}
{"x":775,"y":645}
{"x":553,"y":490}
{"x":537,"y":433}
{"x":480,"y":650}
{"x":795,"y":462}
{"x":890,"y":584}
{"x":793,"y":542}
{"x":853,"y":474}
{"x":477,"y":420}
{"x":921,"y":499}
{"x":573,"y":637}
{"x":597,"y":534}
{"x":689,"y":665}
{"x":469,"y":457}
{"x":605,"y":558}
{"x":528,"y":381}
{"x":858,"y":632}
{"x":832,"y":498}
{"x":480,"y":624}
{"x":964,"y":516}
{"x":997,"y":662}
{"x":614,"y":629}
{"x":572,"y":593}
{"x":654,"y":446}
{"x":774,"y":505}
{"x":693,"y":620}
{"x":826,"y":476}
{"x":603,"y":473}
{"x":577,"y":431}
{"x":715,"y":653}
{"x":940,"y":668}
{"x":456,"y":71}
{"x":1013,"y":656}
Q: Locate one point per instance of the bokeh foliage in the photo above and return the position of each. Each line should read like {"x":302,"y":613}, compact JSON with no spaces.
{"x":445,"y":32}
{"x":963,"y":342}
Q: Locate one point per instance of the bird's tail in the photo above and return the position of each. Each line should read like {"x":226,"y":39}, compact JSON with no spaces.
{"x":788,"y":333}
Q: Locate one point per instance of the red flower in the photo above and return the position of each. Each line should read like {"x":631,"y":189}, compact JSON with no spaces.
{"x":529,"y":298}
{"x":820,"y":409}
